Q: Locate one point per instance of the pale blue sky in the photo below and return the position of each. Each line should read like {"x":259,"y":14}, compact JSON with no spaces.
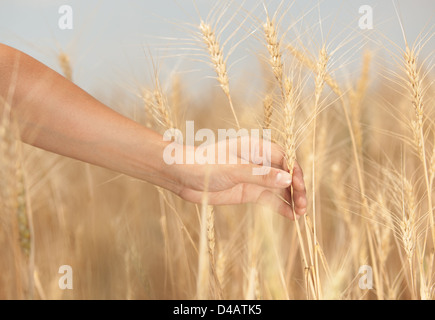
{"x":111,"y":39}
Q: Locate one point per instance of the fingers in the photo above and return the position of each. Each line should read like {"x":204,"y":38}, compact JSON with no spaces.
{"x":273,"y":155}
{"x":278,"y":200}
{"x":260,"y":151}
{"x":262,"y":176}
{"x":274,"y":179}
{"x":273,"y":201}
{"x":299,"y":191}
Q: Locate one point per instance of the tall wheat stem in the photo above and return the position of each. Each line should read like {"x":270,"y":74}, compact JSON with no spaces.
{"x":319,"y":84}
{"x":416,"y":91}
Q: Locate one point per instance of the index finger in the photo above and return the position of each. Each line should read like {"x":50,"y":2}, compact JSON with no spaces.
{"x":260,"y":151}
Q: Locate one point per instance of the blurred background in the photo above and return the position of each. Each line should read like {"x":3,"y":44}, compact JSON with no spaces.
{"x":112,"y":41}
{"x":126,"y":239}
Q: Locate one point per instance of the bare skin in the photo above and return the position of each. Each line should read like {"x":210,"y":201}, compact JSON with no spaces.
{"x":56,"y":115}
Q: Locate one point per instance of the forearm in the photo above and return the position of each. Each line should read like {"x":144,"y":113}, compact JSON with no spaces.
{"x":56,"y":115}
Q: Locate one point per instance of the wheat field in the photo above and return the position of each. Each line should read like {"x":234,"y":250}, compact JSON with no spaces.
{"x":360,"y":125}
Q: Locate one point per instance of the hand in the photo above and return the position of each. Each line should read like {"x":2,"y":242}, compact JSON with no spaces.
{"x":58,"y":116}
{"x":236,"y":184}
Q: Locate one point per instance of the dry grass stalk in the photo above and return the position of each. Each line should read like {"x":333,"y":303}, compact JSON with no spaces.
{"x":291,"y":101}
{"x":221,"y":267}
{"x":65,"y":65}
{"x":356,"y":97}
{"x":22,"y":215}
{"x":432,"y":163}
{"x":251,"y":291}
{"x":14,"y":199}
{"x":416,"y":92}
{"x":318,"y":89}
{"x":320,"y":74}
{"x":307,"y":62}
{"x":211,"y":240}
{"x":217,"y":58}
{"x":408,"y":230}
{"x":203,"y":278}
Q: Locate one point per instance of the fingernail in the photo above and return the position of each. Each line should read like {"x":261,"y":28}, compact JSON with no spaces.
{"x":283,"y":179}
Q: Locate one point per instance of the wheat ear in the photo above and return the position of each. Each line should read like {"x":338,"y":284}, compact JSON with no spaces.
{"x":416,"y":92}
{"x":356,"y":96}
{"x":268,"y":111}
{"x":217,"y":58}
{"x":319,"y":84}
{"x":274,"y":49}
{"x":289,"y":110}
{"x":307,"y":62}
{"x":311,"y":65}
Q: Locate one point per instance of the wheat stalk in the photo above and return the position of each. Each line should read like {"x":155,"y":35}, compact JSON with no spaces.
{"x":217,"y":58}
{"x":289,"y":109}
{"x":356,"y":96}
{"x":318,"y":88}
{"x":13,"y":193}
{"x":268,"y":111}
{"x":202,"y":284}
{"x":308,"y":63}
{"x":432,"y":162}
{"x":416,"y":92}
{"x":211,"y":241}
{"x":65,"y":65}
{"x":408,"y":228}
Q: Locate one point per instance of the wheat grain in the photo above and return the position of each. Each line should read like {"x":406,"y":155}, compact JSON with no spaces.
{"x":289,"y":110}
{"x":356,"y":96}
{"x":274,"y":49}
{"x":311,"y":65}
{"x":268,"y":111}
{"x":416,"y":92}
{"x":217,"y":58}
{"x":161,"y":106}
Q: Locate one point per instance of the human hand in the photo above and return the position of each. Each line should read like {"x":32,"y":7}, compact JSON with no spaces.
{"x":235,"y":183}
{"x":58,"y":116}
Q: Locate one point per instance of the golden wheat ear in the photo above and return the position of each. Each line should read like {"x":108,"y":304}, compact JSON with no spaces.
{"x":268,"y":111}
{"x":274,"y":49}
{"x":217,"y":58}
